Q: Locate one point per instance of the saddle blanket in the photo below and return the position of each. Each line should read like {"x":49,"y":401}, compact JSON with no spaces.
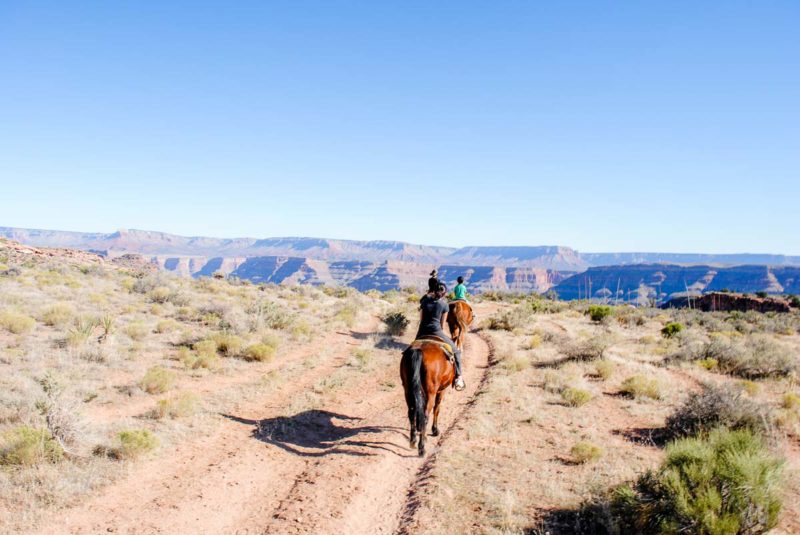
{"x":447,"y":348}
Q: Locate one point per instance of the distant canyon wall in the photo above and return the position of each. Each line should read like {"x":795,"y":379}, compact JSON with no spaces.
{"x":362,"y":275}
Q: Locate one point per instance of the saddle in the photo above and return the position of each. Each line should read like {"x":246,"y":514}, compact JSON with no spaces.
{"x":448,"y":349}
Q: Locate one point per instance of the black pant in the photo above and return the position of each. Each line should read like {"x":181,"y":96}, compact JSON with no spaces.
{"x":440,"y":334}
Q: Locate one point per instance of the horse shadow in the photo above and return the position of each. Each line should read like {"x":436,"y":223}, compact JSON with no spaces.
{"x":318,"y":433}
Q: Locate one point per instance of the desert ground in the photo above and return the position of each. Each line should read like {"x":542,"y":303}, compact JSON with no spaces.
{"x":133,"y":401}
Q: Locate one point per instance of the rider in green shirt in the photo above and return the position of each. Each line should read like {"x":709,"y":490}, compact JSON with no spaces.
{"x":460,"y":291}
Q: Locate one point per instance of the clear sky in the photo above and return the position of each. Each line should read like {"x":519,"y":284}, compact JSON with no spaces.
{"x":650,"y":126}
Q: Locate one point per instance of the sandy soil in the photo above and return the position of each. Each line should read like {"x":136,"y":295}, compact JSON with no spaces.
{"x":290,"y":459}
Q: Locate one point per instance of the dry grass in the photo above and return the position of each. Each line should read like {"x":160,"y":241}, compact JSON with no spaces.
{"x":110,"y":335}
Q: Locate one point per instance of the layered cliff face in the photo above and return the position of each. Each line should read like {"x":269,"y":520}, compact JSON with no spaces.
{"x":385,"y":265}
{"x":662,"y":281}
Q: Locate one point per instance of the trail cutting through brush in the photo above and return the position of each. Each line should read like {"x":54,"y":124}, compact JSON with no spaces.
{"x":338,"y":463}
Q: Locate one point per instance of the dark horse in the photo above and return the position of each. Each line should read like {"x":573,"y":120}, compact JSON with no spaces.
{"x":426,"y":374}
{"x":459,"y":319}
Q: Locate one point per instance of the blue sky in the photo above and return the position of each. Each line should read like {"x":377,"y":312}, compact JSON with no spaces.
{"x":669,"y":126}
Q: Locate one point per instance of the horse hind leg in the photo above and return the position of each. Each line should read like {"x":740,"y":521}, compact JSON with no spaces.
{"x":428,"y":409}
{"x":412,"y":436}
{"x":436,"y":406}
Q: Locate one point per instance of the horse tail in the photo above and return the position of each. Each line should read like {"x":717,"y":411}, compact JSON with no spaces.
{"x":416,"y":388}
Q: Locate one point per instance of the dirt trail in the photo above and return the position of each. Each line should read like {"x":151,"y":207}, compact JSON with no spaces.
{"x":338,"y":464}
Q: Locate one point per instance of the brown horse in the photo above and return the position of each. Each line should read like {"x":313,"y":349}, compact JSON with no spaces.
{"x":459,"y":319}
{"x":426,"y":374}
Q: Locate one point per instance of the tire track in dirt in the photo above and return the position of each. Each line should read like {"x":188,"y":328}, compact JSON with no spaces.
{"x":365,"y":488}
{"x":204,"y":485}
{"x":336,"y":462}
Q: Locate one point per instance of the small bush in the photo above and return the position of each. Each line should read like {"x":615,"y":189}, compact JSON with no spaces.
{"x":586,"y":452}
{"x":136,"y":331}
{"x":639,"y":386}
{"x":510,"y":320}
{"x":167,"y":326}
{"x":16,"y":323}
{"x":80,"y":333}
{"x":259,"y":352}
{"x":604,"y":369}
{"x":534,"y":342}
{"x":599,"y":313}
{"x":180,"y":406}
{"x":750,"y":387}
{"x":790,"y":401}
{"x":207,"y":358}
{"x":671,"y":329}
{"x":347,"y":314}
{"x":725,"y":484}
{"x":301,"y":330}
{"x":396,"y":323}
{"x":133,"y":443}
{"x":576,"y":397}
{"x":160,"y":294}
{"x":757,"y":357}
{"x":157,"y":380}
{"x":58,"y":315}
{"x":708,"y":363}
{"x":718,"y":407}
{"x":362,"y":356}
{"x":516,"y":362}
{"x":593,"y":348}
{"x":228,"y":344}
{"x":28,"y":446}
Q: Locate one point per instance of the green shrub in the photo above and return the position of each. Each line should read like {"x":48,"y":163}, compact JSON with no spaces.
{"x":136,"y":330}
{"x":599,"y":313}
{"x":80,"y":333}
{"x":534,"y":342}
{"x":794,"y":301}
{"x":605,"y":369}
{"x":133,"y":443}
{"x":790,"y":401}
{"x":639,"y":386}
{"x":16,"y":323}
{"x":671,"y":329}
{"x":157,"y":380}
{"x":28,"y":446}
{"x":725,"y":484}
{"x":362,"y":356}
{"x":167,"y":326}
{"x":708,"y":363}
{"x":259,"y":352}
{"x":179,"y":406}
{"x":396,"y":323}
{"x":761,"y":294}
{"x":160,"y":294}
{"x":586,"y":452}
{"x":228,"y":344}
{"x":576,"y":397}
{"x":718,"y":407}
{"x":206,"y":358}
{"x":58,"y":315}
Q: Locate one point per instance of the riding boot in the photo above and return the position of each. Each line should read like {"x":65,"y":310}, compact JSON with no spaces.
{"x":458,"y":382}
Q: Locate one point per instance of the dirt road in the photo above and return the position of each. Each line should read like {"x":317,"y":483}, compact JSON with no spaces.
{"x":325,"y":451}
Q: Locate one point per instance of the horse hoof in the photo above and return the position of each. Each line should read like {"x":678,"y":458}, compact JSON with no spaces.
{"x":422,"y":452}
{"x":435,"y":432}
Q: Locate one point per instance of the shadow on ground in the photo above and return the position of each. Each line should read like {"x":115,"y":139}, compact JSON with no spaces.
{"x":317,"y":433}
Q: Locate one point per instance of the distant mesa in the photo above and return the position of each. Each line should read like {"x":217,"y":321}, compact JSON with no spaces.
{"x":384,"y":265}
